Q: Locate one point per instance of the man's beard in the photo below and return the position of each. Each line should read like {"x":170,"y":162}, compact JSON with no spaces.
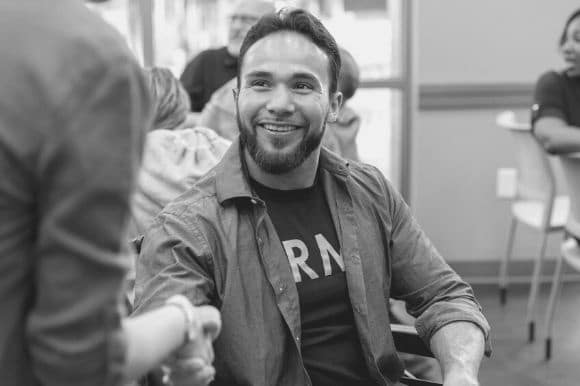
{"x":277,"y":163}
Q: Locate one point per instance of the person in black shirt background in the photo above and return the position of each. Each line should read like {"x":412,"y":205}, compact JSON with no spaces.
{"x":556,"y":112}
{"x":212,"y":68}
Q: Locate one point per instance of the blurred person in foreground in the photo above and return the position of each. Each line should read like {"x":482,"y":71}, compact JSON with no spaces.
{"x":212,"y":68}
{"x":73,"y":112}
{"x":556,"y":110}
{"x":299,"y":248}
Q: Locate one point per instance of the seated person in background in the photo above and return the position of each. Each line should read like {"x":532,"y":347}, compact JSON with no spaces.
{"x":172,"y":162}
{"x":556,"y":110}
{"x":298,"y":248}
{"x":210,"y":69}
{"x":219,"y":113}
{"x":340,"y":135}
{"x":74,"y":109}
{"x":170,"y":101}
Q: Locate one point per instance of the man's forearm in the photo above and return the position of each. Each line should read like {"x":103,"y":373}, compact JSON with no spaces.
{"x":459,"y":348}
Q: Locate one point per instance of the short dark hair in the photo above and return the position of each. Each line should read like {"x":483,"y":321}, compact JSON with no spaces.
{"x":570,"y":19}
{"x":299,"y":21}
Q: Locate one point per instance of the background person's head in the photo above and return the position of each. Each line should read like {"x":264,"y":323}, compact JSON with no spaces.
{"x":287,"y":81}
{"x":170,"y":100}
{"x":349,"y":76}
{"x":570,"y":41}
{"x":244,"y":15}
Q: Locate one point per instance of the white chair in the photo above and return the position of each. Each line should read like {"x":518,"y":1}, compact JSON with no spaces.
{"x":570,"y":250}
{"x":536,"y":204}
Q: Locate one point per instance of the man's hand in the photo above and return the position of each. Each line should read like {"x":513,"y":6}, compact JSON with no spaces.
{"x":191,"y":365}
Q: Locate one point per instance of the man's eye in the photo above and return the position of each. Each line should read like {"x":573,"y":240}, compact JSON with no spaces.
{"x":303,"y":86}
{"x":260,"y":83}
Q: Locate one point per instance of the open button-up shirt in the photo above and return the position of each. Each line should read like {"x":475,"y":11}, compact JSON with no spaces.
{"x":217,"y":245}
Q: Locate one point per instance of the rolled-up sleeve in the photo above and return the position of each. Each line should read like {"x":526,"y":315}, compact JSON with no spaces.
{"x":85,"y":175}
{"x":174,"y":259}
{"x":431,"y":289}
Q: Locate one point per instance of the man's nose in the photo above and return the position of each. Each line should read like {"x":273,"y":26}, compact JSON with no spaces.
{"x":281,"y":101}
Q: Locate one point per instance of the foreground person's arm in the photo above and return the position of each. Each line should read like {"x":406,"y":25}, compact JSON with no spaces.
{"x":154,"y":336}
{"x":459,"y":348}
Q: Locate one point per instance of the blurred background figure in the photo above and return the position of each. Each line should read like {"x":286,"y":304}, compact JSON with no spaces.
{"x":219,"y":114}
{"x":210,"y":69}
{"x":176,"y":155}
{"x":74,"y":108}
{"x":556,"y":112}
{"x":341,"y":134}
{"x":170,"y":100}
{"x":173,"y":161}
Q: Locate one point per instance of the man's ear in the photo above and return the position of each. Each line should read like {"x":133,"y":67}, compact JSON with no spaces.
{"x":334,"y":107}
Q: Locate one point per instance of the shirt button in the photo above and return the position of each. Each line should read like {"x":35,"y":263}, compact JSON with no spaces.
{"x":297,"y":339}
{"x":253,"y":201}
{"x":281,"y":289}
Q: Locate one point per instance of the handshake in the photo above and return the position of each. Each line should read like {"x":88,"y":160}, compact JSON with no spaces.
{"x":191,"y":364}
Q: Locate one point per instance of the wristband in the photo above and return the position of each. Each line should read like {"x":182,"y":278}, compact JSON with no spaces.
{"x":186,"y":309}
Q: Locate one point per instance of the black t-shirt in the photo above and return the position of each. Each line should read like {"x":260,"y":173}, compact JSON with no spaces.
{"x":207,"y":72}
{"x":330,"y":344}
{"x":557,"y":94}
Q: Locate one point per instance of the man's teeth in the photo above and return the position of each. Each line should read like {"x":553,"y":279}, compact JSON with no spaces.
{"x":279,"y":128}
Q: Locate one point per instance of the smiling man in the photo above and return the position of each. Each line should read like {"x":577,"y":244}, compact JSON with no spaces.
{"x":300,"y":249}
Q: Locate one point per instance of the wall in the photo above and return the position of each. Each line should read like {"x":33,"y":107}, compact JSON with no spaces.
{"x":456,"y":153}
{"x":471,"y":41}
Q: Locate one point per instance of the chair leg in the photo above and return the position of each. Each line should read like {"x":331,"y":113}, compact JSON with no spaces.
{"x":554,"y":295}
{"x":534,"y":290}
{"x":503,"y":268}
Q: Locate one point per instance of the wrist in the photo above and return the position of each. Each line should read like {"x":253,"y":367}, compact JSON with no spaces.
{"x":460,"y":376}
{"x":187,"y":310}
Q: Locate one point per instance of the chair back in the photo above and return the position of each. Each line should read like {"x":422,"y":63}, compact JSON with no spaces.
{"x":571,"y":169}
{"x":536,"y":179}
{"x":408,"y":341}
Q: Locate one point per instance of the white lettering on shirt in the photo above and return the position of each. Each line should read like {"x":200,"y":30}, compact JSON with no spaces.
{"x":298,"y":262}
{"x":327,"y":250}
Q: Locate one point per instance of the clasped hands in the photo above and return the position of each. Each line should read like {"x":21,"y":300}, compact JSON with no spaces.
{"x":192,"y":363}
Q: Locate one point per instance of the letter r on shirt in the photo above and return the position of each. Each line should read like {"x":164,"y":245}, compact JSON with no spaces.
{"x":298,"y":261}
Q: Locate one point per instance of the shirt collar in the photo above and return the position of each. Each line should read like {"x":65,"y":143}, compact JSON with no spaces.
{"x":232,"y":180}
